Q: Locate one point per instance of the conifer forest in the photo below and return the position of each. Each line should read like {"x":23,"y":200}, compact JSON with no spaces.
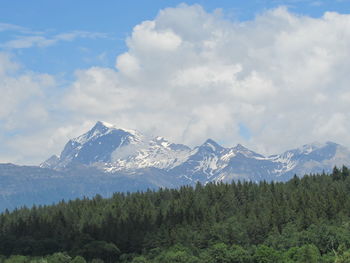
{"x":303,"y":220}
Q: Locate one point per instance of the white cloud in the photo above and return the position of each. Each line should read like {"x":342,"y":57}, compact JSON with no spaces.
{"x":189,"y":75}
{"x":16,"y":28}
{"x":39,"y":39}
{"x":26,"y":112}
{"x":19,"y":91}
{"x":147,"y":38}
{"x":128,"y":65}
{"x":6,"y":64}
{"x":28,"y":42}
{"x":11,"y":27}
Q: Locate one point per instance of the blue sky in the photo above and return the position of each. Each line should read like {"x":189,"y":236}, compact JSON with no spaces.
{"x":234,"y":71}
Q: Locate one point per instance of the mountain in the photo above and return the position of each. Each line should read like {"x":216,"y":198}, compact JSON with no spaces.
{"x":110,"y":150}
{"x":114,"y":150}
{"x":311,"y":158}
{"x":97,"y":145}
{"x":109,"y":159}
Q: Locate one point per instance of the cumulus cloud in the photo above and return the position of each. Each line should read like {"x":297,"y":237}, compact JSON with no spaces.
{"x":189,"y":75}
{"x":32,"y":123}
{"x":20,"y":91}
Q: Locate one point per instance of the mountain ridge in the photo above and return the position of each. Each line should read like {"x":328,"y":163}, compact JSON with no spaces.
{"x":108,"y":159}
{"x":113,"y":149}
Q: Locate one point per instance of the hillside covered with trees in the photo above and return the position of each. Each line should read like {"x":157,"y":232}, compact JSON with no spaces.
{"x":303,"y":220}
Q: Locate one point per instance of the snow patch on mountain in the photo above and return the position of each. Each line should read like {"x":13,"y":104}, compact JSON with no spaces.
{"x":157,"y":152}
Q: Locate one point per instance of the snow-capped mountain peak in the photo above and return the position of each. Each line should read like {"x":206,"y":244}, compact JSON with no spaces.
{"x":240,"y":149}
{"x":97,"y":130}
{"x":211,"y":145}
{"x":114,"y":150}
{"x":104,"y":128}
{"x":96,"y":145}
{"x":309,"y":148}
{"x":105,"y":124}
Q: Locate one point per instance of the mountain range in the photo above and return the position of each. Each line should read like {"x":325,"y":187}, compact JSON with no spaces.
{"x":108,"y":159}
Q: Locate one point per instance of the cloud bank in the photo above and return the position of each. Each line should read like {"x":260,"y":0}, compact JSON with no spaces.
{"x":189,"y":75}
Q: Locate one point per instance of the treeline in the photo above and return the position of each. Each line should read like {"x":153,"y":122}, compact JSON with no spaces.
{"x":304,"y":220}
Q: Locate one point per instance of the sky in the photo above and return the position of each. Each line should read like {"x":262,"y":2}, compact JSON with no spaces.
{"x":271,"y":75}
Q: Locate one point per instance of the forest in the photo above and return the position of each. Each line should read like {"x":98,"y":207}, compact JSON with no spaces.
{"x":303,"y":220}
